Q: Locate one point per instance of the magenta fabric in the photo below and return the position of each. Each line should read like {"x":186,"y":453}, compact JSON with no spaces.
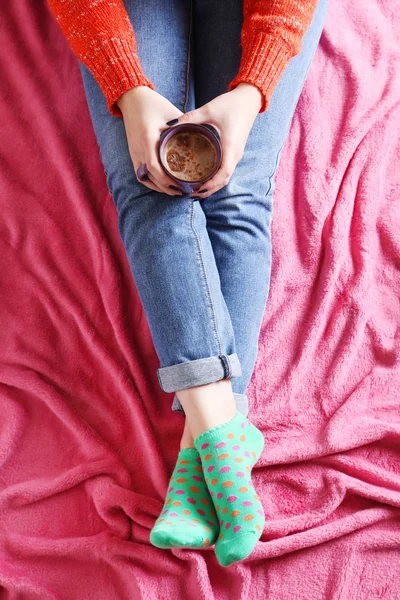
{"x":87,"y":438}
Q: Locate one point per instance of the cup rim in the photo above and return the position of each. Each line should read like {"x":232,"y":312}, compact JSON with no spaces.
{"x":192,"y":127}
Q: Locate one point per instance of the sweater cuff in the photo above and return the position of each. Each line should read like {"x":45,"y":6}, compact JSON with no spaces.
{"x":122,"y":72}
{"x":264,"y":58}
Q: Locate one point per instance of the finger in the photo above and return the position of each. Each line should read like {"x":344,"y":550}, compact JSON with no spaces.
{"x":149,"y":181}
{"x":220,"y":179}
{"x":150,"y":185}
{"x":200,"y":193}
{"x":154,"y":166}
{"x":162,"y":189}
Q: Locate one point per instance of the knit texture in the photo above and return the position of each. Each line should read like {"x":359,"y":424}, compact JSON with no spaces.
{"x":102,"y":37}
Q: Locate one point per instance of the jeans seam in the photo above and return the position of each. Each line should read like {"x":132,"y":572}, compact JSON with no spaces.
{"x":204,"y":277}
{"x":310,"y":60}
{"x":275,"y":167}
{"x":188,"y":58}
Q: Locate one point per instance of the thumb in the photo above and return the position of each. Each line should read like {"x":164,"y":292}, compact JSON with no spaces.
{"x":192,"y":116}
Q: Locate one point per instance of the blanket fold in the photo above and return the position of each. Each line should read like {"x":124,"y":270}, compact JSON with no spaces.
{"x":87,"y":438}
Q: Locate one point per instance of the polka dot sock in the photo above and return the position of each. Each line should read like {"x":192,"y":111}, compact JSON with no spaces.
{"x":228,"y":453}
{"x":188,"y":518}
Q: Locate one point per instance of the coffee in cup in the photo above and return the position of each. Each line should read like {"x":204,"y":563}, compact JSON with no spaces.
{"x":190,"y":156}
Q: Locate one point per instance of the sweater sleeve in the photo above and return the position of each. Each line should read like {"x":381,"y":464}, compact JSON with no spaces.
{"x":271,"y":35}
{"x":102,"y":37}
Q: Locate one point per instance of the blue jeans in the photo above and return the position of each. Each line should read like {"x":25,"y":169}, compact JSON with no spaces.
{"x":201,"y":267}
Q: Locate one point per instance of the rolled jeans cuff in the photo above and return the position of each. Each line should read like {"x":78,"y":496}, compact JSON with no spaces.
{"x":199,"y":372}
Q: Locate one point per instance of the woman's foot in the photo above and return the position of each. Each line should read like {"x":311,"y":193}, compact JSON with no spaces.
{"x":188,"y":518}
{"x":228,"y":453}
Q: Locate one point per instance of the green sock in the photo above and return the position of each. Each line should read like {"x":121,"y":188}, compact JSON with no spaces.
{"x":228,"y":453}
{"x":188,"y":518}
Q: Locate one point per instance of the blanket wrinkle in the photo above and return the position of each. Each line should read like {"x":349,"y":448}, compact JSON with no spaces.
{"x":88,"y":439}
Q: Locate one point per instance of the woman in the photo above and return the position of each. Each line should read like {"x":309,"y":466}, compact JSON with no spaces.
{"x":201,"y":262}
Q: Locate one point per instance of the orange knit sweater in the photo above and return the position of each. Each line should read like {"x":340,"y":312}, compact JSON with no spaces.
{"x":102,"y":37}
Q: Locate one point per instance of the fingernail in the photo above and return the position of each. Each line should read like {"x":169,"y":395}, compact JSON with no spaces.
{"x":173,"y":122}
{"x":173,"y":187}
{"x":201,"y":191}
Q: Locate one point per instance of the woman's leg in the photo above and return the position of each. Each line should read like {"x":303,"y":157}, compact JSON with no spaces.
{"x":165,"y":237}
{"x":238,"y":223}
{"x":239,"y":215}
{"x":173,"y":266}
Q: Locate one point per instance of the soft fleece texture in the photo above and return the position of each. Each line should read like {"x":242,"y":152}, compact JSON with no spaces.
{"x":82,"y":415}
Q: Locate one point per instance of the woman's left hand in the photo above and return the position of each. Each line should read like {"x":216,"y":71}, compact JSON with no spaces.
{"x":233,"y":115}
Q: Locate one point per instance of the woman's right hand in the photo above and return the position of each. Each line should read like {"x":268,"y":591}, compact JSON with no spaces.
{"x":145,"y":113}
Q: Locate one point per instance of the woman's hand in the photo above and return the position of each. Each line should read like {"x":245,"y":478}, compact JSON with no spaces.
{"x":233,"y":115}
{"x":145,"y":113}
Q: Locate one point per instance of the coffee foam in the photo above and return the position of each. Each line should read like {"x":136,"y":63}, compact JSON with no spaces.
{"x":190,"y":156}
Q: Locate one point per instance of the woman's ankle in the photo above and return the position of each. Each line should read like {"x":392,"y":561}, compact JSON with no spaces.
{"x":207,"y":406}
{"x":187,"y":438}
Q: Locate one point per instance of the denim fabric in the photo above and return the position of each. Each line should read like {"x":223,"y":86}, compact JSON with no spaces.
{"x":201,"y":267}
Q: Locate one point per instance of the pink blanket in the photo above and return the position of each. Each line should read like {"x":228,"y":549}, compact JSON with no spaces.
{"x":88,"y":439}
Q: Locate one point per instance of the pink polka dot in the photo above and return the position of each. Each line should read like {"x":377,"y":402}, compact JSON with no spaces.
{"x":240,"y":474}
{"x":170,"y":489}
{"x":247,"y":503}
{"x":220,"y":445}
{"x":191,"y":500}
{"x":210,"y":523}
{"x":164,"y":511}
{"x":232,"y":498}
{"x":204,"y":446}
{"x":198,"y":459}
{"x":219,"y":495}
{"x":197,"y":478}
{"x":221,"y":522}
{"x":182,"y":519}
{"x":227,"y":525}
{"x":191,"y":525}
{"x":235,"y":447}
{"x":242,"y":425}
{"x":173,"y":514}
{"x":247,"y":454}
{"x":212,"y":493}
{"x":260,"y":512}
{"x":201,"y":512}
{"x":180,"y":492}
{"x":182,"y":470}
{"x":235,"y":529}
{"x":224,"y":469}
{"x":210,"y":469}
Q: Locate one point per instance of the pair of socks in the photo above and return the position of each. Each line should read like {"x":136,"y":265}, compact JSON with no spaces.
{"x":211,"y":498}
